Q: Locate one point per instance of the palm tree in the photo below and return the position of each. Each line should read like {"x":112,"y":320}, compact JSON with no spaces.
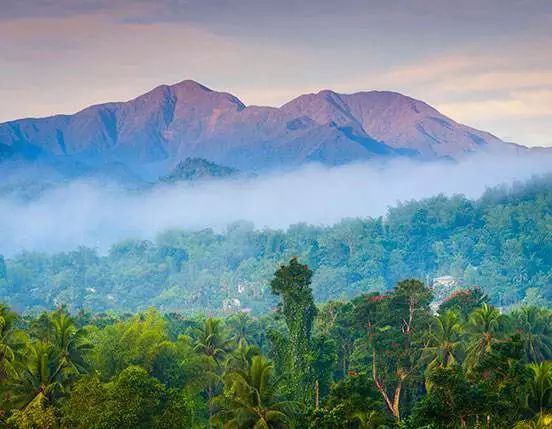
{"x":540,"y":387}
{"x":370,"y":420}
{"x":242,"y":326}
{"x":10,"y":341}
{"x":485,"y":327}
{"x":250,"y":400}
{"x":535,"y":327}
{"x":444,"y":341}
{"x":71,"y":343}
{"x":39,"y":375}
{"x":48,"y":365}
{"x":211,"y":341}
{"x":242,"y":356}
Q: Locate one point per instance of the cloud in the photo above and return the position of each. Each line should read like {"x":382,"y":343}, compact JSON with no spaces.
{"x":96,"y":215}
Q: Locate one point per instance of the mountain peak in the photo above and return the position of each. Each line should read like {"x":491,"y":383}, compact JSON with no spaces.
{"x":187,"y":119}
{"x":190,"y":85}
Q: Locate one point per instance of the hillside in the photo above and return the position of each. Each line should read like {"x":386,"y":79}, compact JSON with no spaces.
{"x":192,"y":169}
{"x":499,"y":242}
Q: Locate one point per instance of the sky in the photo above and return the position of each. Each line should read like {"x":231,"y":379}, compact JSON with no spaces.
{"x":486,"y":63}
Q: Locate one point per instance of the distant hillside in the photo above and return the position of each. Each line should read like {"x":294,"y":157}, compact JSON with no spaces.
{"x":192,"y":169}
{"x":500,"y":242}
{"x":171,"y":123}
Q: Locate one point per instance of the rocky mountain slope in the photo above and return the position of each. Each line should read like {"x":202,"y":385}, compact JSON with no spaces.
{"x":171,"y":123}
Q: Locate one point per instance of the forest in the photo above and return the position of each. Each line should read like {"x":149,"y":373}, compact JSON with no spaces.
{"x":501,"y":242}
{"x":379,"y":360}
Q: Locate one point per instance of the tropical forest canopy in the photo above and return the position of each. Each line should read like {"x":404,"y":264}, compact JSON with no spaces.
{"x":380,"y":360}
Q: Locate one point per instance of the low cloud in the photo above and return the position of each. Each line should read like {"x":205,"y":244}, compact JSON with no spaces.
{"x":97,"y":215}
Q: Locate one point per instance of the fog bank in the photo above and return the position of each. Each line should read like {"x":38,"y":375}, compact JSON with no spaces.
{"x":97,"y":215}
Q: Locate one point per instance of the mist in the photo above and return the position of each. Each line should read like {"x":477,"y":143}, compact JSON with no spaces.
{"x":95,"y":214}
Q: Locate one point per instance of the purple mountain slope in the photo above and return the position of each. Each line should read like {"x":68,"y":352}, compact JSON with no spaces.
{"x":171,"y":123}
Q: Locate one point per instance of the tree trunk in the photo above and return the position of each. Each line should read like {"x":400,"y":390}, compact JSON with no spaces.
{"x":392,"y":406}
{"x":316,"y":394}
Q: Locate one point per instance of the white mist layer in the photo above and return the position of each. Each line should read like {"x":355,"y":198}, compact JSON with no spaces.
{"x":95,"y":215}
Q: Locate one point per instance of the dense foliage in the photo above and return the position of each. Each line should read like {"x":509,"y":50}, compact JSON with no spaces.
{"x":380,"y":360}
{"x":501,"y":243}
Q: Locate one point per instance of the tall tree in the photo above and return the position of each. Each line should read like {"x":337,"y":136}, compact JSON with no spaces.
{"x":444,"y":340}
{"x":212,"y":341}
{"x":292,"y":283}
{"x":484,"y":328}
{"x":394,"y":324}
{"x":72,"y":344}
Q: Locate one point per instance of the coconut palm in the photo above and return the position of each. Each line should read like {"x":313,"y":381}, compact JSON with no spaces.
{"x":243,"y":327}
{"x":444,"y":340}
{"x":241,"y":357}
{"x":535,"y":327}
{"x":370,"y":420}
{"x":10,"y":341}
{"x":47,"y":366}
{"x":71,"y":343}
{"x":250,"y":400}
{"x":212,"y":341}
{"x":485,"y":327}
{"x":39,"y":375}
{"x":540,"y":387}
{"x":214,"y":344}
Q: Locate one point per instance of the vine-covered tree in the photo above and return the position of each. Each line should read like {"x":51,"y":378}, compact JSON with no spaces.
{"x":292,"y":283}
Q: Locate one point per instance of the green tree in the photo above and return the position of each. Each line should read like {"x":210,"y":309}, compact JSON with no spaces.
{"x":395,"y":326}
{"x":292,"y":283}
{"x":444,"y":340}
{"x":212,"y":341}
{"x":10,"y":340}
{"x":452,"y":402}
{"x":241,"y":356}
{"x":71,"y":344}
{"x":322,"y":360}
{"x":250,"y":399}
{"x":36,"y":415}
{"x":484,"y":328}
{"x":535,"y":328}
{"x":352,"y":403}
{"x":39,"y":375}
{"x":128,"y":342}
{"x":465,"y":301}
{"x":540,"y":387}
{"x":133,"y":399}
{"x":370,"y":420}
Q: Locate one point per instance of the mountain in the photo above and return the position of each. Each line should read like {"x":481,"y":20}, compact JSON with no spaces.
{"x":171,"y":123}
{"x":192,"y":169}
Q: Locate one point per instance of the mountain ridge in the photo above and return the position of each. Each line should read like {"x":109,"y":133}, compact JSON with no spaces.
{"x":173,"y":122}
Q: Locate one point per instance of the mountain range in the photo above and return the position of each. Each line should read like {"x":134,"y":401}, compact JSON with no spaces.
{"x":188,"y":120}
